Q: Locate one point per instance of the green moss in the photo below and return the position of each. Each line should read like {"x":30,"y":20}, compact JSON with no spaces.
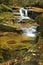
{"x":39,"y":20}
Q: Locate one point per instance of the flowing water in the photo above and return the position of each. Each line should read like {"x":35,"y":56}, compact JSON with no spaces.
{"x":29,"y":31}
{"x":24,"y":13}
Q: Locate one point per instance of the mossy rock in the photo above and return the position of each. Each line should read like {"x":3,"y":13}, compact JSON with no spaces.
{"x":1,"y":59}
{"x":39,"y":20}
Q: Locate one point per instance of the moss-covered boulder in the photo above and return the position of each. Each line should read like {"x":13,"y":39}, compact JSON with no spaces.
{"x":40,"y":22}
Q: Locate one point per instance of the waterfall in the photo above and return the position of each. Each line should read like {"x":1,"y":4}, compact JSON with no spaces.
{"x":24,"y":13}
{"x":30,"y":31}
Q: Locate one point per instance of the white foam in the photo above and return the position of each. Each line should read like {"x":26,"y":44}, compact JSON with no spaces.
{"x":31,"y":32}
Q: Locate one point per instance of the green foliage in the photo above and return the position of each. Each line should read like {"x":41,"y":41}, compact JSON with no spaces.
{"x":7,"y":54}
{"x":1,"y":58}
{"x":6,"y":7}
{"x":19,"y":2}
{"x":1,"y":19}
{"x":38,"y":4}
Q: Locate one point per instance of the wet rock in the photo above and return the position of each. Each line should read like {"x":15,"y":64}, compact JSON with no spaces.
{"x":11,"y":42}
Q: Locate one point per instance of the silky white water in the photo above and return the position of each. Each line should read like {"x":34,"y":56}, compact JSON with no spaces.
{"x":24,"y":13}
{"x":30,"y":31}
